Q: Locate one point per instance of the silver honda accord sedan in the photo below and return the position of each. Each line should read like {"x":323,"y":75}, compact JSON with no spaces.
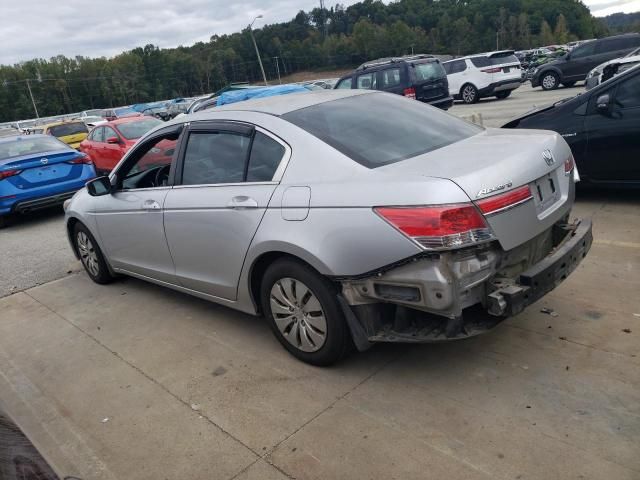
{"x":344,"y":217}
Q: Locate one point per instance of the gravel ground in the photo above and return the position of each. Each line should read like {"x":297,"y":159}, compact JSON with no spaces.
{"x":34,"y":249}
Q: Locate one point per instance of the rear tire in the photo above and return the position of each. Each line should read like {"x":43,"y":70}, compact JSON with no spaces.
{"x":550,"y":81}
{"x":303,"y":311}
{"x":502,"y":95}
{"x":469,"y":94}
{"x":91,"y":256}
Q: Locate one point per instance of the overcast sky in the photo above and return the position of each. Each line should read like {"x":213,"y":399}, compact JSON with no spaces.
{"x":44,"y":28}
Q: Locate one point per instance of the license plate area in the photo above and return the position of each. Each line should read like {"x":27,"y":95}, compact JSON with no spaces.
{"x":506,"y":69}
{"x":546,"y":192}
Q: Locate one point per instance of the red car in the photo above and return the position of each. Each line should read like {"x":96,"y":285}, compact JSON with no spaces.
{"x":107,"y":143}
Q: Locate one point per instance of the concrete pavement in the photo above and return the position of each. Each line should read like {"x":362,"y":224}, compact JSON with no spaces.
{"x":139,"y":382}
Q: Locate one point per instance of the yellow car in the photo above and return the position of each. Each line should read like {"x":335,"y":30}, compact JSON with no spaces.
{"x":71,"y":133}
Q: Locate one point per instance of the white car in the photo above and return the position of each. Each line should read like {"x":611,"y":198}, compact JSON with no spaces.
{"x":610,"y":69}
{"x":492,"y":74}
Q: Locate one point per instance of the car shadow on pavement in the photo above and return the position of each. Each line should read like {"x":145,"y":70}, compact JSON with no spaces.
{"x":33,"y":219}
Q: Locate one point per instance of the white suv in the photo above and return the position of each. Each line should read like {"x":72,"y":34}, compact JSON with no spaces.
{"x":483,"y":75}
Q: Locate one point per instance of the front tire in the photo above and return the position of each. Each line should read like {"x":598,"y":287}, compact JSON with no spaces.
{"x":469,"y":94}
{"x":550,"y":81}
{"x":303,"y":312}
{"x":568,"y":84}
{"x":91,"y":256}
{"x":502,"y":95}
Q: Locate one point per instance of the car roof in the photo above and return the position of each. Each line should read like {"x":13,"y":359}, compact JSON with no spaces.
{"x":119,"y":121}
{"x":280,"y":105}
{"x":486,"y":54}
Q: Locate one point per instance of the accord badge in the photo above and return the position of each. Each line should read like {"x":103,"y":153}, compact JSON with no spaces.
{"x":497,"y":188}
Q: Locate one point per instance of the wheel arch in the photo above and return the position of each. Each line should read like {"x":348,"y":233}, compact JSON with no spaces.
{"x":71,"y":225}
{"x":266,"y":258}
{"x":465,"y":84}
{"x":551,"y":68}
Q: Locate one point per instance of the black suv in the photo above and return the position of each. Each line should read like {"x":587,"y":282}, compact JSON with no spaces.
{"x":575,"y":65}
{"x":421,"y":77}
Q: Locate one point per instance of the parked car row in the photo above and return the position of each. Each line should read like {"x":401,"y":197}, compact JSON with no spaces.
{"x":576,"y":65}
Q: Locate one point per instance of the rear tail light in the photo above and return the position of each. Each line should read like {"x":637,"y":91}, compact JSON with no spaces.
{"x":504,"y":201}
{"x":8,"y":173}
{"x":492,"y":70}
{"x":82,"y":159}
{"x":439,"y":227}
{"x":569,"y":165}
{"x":410,"y":93}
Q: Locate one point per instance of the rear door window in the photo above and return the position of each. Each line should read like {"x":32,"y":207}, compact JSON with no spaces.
{"x":390,"y":78}
{"x":367,"y":81}
{"x":266,"y":155}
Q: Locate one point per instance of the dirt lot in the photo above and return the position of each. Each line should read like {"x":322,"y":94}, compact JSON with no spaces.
{"x":138,"y":382}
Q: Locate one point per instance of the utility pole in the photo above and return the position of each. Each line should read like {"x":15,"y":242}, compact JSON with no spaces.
{"x":255,"y":45}
{"x":497,"y":40}
{"x":32,"y":100}
{"x":278,"y":69}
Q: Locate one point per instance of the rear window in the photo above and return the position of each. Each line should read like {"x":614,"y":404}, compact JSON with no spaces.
{"x":380,"y":129}
{"x":482,"y":62}
{"x":429,"y":70}
{"x":68,"y":129}
{"x":29,"y":146}
{"x":133,"y":130}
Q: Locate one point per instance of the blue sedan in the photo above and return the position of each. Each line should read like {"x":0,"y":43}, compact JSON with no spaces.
{"x":39,"y":171}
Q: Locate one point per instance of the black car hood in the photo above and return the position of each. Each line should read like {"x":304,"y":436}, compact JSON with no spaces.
{"x":537,"y":110}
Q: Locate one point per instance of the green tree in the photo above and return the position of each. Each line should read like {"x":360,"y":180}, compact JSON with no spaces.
{"x":561,"y":33}
{"x":546,"y":35}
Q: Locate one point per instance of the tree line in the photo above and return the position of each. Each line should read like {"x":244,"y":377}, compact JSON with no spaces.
{"x":332,"y":38}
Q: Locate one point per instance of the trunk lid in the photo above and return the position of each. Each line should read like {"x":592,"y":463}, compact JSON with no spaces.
{"x":42,"y":169}
{"x":497,"y":161}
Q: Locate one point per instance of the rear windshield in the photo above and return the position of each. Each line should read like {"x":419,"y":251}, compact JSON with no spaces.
{"x":429,"y":70}
{"x":133,"y":130}
{"x":29,"y":146}
{"x":68,"y":129}
{"x":481,"y":62}
{"x":380,"y":129}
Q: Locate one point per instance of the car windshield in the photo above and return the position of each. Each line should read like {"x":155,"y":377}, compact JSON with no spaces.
{"x":124,"y":112}
{"x":380,"y":129}
{"x":68,"y":129}
{"x":133,"y":130}
{"x":28,"y":145}
{"x":429,"y":70}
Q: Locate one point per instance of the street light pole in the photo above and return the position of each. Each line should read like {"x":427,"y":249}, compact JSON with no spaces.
{"x":255,"y":45}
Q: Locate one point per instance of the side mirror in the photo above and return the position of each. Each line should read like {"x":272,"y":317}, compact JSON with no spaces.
{"x":99,"y":186}
{"x":603,"y":104}
{"x":113,"y":140}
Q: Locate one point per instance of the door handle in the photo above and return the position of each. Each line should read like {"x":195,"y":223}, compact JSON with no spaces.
{"x":242,"y":202}
{"x":151,"y":205}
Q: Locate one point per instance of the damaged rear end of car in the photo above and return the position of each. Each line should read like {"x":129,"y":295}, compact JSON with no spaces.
{"x":483,"y":260}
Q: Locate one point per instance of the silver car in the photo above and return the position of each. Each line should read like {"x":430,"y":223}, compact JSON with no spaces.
{"x":345,"y":217}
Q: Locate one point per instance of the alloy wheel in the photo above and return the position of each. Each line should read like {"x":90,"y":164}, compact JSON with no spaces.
{"x":469,"y":94}
{"x":88,"y":254}
{"x":549,"y":82}
{"x":298,"y":314}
